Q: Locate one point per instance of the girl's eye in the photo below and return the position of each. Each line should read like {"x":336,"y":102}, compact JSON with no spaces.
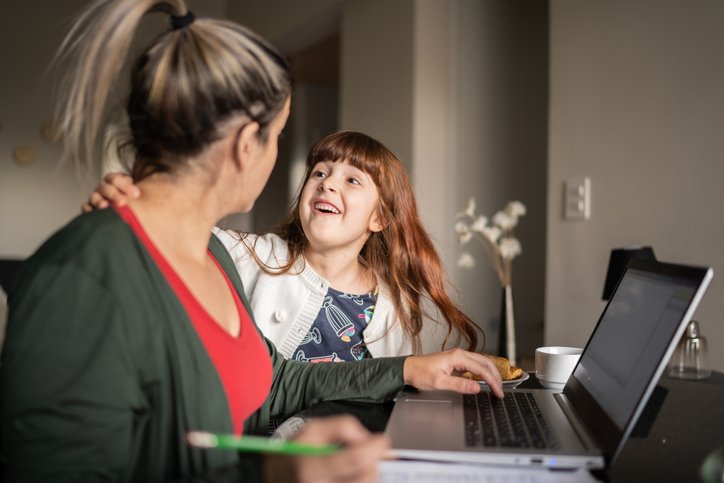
{"x":318,"y":174}
{"x":354,"y":181}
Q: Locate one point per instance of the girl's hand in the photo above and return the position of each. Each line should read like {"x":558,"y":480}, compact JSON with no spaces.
{"x":441,"y":371}
{"x":116,"y":188}
{"x":356,"y":462}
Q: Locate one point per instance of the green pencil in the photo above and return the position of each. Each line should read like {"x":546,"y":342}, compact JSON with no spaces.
{"x":257,"y":444}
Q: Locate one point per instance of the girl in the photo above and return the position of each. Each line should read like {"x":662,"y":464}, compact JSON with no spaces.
{"x":346,"y":275}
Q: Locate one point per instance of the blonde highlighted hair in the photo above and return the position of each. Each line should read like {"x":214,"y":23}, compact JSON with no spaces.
{"x":402,"y":253}
{"x":183,"y":86}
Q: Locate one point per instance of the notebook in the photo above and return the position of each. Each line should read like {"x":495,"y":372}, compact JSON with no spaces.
{"x":591,"y":419}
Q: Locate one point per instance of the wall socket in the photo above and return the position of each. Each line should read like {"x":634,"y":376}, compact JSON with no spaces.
{"x":577,"y":199}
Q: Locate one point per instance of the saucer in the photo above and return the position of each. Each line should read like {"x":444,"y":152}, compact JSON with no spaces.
{"x":555,"y":386}
{"x":510,"y":384}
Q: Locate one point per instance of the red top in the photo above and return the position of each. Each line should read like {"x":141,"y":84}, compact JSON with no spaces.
{"x":243,"y":362}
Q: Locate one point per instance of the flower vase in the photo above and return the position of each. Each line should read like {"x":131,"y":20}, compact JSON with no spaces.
{"x":506,"y":334}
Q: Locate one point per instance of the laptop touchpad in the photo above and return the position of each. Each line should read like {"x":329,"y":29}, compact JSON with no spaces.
{"x":425,"y":409}
{"x":419,"y":418}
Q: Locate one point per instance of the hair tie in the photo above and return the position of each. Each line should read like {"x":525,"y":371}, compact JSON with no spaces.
{"x":182,"y":21}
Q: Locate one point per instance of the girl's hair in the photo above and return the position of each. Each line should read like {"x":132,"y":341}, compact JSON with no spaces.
{"x":402,"y":253}
{"x":184,"y":86}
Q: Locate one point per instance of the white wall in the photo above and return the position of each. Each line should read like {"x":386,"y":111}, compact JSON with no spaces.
{"x":39,"y":198}
{"x":636,"y":104}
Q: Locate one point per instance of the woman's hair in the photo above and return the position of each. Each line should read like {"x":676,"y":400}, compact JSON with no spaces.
{"x":184,"y":86}
{"x":402,"y":252}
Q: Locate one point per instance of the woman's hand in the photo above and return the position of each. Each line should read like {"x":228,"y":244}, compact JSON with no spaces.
{"x":116,"y":188}
{"x":441,"y":371}
{"x":356,"y":462}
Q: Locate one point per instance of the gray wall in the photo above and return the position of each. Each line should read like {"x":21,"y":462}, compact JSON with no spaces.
{"x":292,"y":25}
{"x":463,"y":106}
{"x":637,"y":104}
{"x":376,"y":84}
{"x":38,"y":198}
{"x":500,"y":99}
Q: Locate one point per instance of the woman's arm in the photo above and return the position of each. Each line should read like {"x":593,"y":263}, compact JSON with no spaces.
{"x":68,"y":392}
{"x":357,"y":462}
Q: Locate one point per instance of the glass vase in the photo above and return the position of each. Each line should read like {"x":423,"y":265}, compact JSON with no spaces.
{"x":506,"y":333}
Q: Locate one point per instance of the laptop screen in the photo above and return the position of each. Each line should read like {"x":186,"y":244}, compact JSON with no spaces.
{"x":636,"y":332}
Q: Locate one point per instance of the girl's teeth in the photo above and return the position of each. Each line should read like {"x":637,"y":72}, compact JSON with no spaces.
{"x":326,"y":207}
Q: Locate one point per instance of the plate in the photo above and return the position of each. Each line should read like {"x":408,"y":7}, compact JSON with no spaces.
{"x":510,"y":384}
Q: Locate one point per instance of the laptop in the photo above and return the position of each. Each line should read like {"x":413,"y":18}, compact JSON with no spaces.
{"x":587,"y":424}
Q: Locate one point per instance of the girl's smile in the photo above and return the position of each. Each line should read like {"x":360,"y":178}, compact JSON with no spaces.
{"x":325,"y":207}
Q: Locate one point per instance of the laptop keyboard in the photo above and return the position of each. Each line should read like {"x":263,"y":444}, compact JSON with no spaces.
{"x":513,"y":422}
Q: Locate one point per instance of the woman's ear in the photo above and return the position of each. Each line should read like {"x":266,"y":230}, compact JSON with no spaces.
{"x":247,"y":143}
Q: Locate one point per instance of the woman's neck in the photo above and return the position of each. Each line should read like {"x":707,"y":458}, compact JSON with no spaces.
{"x":178,"y":215}
{"x":343,"y":270}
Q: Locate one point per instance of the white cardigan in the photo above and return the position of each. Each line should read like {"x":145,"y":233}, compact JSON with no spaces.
{"x":285,"y":306}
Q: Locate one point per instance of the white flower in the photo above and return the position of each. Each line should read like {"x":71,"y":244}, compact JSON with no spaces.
{"x":463,"y":231}
{"x":497,"y":238}
{"x":465,"y":260}
{"x":492,"y":233}
{"x":479,"y":224}
{"x":509,"y":247}
{"x":504,"y":221}
{"x":515,"y":209}
{"x":470,"y":209}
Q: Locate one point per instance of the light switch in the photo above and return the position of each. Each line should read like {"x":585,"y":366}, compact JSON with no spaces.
{"x":577,"y":199}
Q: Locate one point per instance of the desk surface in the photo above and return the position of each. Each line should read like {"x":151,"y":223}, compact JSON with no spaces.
{"x":682,"y":423}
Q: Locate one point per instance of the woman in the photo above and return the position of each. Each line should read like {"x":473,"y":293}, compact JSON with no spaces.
{"x":128,"y":328}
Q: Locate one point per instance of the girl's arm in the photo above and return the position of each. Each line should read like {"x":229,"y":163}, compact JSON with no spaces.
{"x":298,"y":385}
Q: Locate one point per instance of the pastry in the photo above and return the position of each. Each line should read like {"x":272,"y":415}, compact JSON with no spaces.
{"x":507,"y":372}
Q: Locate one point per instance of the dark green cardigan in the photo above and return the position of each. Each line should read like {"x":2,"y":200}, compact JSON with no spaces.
{"x":103,"y":374}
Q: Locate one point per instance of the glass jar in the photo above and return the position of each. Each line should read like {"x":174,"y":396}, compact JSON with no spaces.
{"x":690,"y":360}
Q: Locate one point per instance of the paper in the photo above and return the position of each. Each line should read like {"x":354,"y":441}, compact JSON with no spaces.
{"x":401,"y":471}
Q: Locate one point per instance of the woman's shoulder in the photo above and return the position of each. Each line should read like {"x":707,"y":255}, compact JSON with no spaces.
{"x":99,"y":244}
{"x":94,"y":233}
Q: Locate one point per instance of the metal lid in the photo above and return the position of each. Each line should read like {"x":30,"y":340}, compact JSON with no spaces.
{"x":692,"y":331}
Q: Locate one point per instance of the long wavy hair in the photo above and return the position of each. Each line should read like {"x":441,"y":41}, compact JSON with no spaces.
{"x":183,"y":87}
{"x":402,"y":253}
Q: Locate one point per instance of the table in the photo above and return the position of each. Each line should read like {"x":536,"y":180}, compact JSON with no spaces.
{"x":681,"y":424}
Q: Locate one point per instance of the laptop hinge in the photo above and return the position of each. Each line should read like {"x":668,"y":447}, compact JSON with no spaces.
{"x":575,"y":421}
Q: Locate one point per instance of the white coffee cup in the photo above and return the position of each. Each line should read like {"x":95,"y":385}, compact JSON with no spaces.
{"x":554,"y":364}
